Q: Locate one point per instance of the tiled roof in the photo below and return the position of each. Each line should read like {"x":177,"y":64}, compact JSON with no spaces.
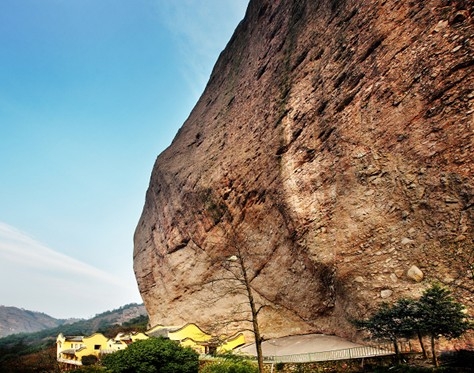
{"x":70,"y":351}
{"x":74,"y":338}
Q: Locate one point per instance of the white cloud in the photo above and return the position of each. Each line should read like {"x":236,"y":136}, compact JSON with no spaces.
{"x":38,"y":278}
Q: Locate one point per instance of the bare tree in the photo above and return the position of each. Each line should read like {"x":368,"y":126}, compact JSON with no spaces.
{"x":238,"y":269}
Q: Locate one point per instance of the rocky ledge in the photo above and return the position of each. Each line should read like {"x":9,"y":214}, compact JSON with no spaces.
{"x":333,"y":149}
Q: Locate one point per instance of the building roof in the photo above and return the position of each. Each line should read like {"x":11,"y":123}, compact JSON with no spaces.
{"x":74,"y":338}
{"x":70,"y":351}
{"x":161,"y":331}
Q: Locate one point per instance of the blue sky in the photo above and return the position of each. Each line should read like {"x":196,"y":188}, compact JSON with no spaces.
{"x":91,"y":91}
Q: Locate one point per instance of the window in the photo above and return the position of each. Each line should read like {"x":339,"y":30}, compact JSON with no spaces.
{"x":96,"y":347}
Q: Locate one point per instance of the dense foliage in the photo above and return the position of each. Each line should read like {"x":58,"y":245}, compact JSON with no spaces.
{"x":441,"y":315}
{"x":40,"y":361}
{"x":229,"y":366}
{"x":392,"y":322}
{"x":152,"y":356}
{"x":436,"y":314}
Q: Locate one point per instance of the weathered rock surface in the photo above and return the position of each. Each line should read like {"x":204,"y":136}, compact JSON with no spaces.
{"x":334,"y":145}
{"x":415,"y":274}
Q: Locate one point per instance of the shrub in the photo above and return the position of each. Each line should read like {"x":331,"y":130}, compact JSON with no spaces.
{"x":89,"y":369}
{"x":89,"y":360}
{"x":280,"y":366}
{"x":461,"y":358}
{"x":231,"y":366}
{"x":152,"y":356}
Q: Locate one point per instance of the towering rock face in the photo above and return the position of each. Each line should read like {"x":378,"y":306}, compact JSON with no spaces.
{"x":332,"y":150}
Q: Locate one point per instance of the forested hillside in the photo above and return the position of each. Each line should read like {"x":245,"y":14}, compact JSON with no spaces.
{"x":17,"y":320}
{"x":33,"y":347}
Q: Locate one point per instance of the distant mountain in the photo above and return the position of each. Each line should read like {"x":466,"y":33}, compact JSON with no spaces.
{"x":131,"y":317}
{"x":18,"y":320}
{"x":15,"y":320}
{"x":106,"y":320}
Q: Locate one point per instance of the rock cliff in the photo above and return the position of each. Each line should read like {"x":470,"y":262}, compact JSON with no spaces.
{"x":333,"y":147}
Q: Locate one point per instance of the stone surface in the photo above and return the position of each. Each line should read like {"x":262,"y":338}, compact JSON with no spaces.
{"x":333,"y":142}
{"x":415,"y":274}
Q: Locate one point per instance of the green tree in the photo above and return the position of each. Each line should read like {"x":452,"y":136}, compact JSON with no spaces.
{"x":383,"y":325}
{"x":436,"y":314}
{"x":393,"y":322}
{"x":406,"y":314}
{"x":153,"y":355}
{"x":441,"y":316}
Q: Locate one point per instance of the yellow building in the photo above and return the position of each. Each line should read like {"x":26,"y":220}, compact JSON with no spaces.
{"x":122,"y":340}
{"x":131,"y":337}
{"x":71,"y":349}
{"x":231,"y":343}
{"x":190,"y":335}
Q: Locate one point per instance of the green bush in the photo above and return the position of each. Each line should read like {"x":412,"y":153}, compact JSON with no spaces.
{"x":460,"y":358}
{"x":89,"y":369}
{"x":154,"y":355}
{"x":279,"y":366}
{"x":89,"y":360}
{"x":230,"y":366}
